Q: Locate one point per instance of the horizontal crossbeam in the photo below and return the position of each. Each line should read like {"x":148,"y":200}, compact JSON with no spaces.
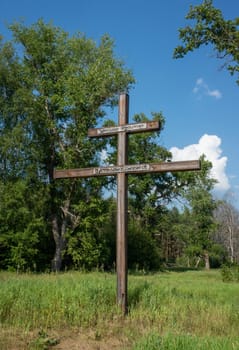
{"x":129,"y":169}
{"x":128,"y":128}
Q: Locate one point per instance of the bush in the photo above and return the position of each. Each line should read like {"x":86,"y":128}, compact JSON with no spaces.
{"x":230,"y":273}
{"x":143,"y":252}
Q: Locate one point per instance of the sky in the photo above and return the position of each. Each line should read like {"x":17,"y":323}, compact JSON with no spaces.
{"x":198,"y":98}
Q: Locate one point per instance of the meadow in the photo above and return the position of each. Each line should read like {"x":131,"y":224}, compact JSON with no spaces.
{"x":76,"y":310}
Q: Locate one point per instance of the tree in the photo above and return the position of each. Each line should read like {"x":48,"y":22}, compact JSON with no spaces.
{"x":201,"y":223}
{"x":173,"y":234}
{"x":211,"y":28}
{"x":143,"y":252}
{"x":148,"y":192}
{"x":227,"y":233}
{"x":52,"y":89}
{"x":149,"y":195}
{"x":87,"y":244}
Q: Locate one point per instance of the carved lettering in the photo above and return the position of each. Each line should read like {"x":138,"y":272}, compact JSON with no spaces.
{"x":122,"y":169}
{"x":123,"y":128}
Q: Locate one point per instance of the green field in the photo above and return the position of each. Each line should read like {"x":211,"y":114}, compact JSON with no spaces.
{"x":73,"y":310}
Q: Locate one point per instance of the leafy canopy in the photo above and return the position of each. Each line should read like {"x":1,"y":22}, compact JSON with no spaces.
{"x":211,"y":28}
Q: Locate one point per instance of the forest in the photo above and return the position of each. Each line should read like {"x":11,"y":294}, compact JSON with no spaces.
{"x":53,"y":88}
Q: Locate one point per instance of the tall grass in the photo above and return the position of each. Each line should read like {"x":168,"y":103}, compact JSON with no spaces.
{"x":190,"y":310}
{"x":71,"y":299}
{"x":193,"y":302}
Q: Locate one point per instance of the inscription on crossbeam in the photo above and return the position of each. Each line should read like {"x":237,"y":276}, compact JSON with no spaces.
{"x":122,"y":169}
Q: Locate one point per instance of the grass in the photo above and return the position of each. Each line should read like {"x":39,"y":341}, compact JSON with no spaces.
{"x":169,"y":310}
{"x":154,"y":341}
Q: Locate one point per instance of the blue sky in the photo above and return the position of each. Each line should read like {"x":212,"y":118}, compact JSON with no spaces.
{"x":198,"y":99}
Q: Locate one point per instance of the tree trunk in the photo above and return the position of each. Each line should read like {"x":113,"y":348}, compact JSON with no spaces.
{"x":56,"y":263}
{"x":60,"y":244}
{"x":198,"y":262}
{"x":59,"y":227}
{"x":207,"y":262}
{"x":231,"y":246}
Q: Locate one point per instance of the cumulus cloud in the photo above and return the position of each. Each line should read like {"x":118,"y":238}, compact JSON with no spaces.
{"x":209,"y":145}
{"x":201,"y":88}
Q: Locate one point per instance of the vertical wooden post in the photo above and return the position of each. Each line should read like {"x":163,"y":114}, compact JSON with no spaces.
{"x":122,"y":208}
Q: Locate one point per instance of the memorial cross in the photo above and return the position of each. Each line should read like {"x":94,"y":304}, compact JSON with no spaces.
{"x":122,"y":169}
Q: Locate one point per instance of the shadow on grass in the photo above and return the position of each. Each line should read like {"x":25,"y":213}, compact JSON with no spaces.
{"x":164,"y":269}
{"x":136,"y":293}
{"x":181,"y":269}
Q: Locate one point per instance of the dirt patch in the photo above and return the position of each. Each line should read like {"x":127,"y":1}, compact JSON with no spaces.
{"x":91,"y":341}
{"x":11,"y":339}
{"x":64,"y":340}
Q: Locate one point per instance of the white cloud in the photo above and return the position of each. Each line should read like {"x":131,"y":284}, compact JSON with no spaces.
{"x":103,"y":156}
{"x":209,"y":145}
{"x":201,"y":88}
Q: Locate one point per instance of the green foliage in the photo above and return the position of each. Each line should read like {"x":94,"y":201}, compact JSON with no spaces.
{"x":211,"y":28}
{"x":218,"y":255}
{"x":87,"y":244}
{"x":143,"y":253}
{"x":85,"y":251}
{"x":22,"y":227}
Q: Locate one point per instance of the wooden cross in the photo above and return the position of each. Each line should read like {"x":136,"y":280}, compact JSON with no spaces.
{"x":122,"y":169}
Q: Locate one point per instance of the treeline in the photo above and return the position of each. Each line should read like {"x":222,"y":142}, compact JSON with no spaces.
{"x":53,"y":88}
{"x":158,"y":236}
